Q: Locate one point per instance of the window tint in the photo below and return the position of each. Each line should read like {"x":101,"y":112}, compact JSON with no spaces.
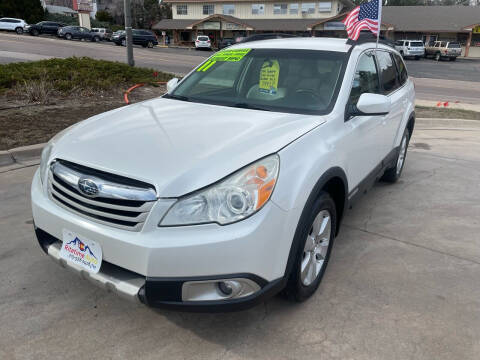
{"x":388,"y":71}
{"x":402,"y":70}
{"x":365,"y":79}
{"x":453,"y":45}
{"x":416,"y":44}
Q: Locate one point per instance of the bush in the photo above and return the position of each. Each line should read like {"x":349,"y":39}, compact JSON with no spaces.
{"x":72,"y":74}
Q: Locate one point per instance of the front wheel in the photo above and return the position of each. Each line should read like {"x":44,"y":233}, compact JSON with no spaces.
{"x":315,"y":234}
{"x":417,"y":57}
{"x":68,"y":36}
{"x":437,"y":57}
{"x":96,"y":39}
{"x":124,"y":42}
{"x":19,"y":30}
{"x":393,"y":174}
{"x":150,"y":44}
{"x":35,"y":32}
{"x":453,"y":58}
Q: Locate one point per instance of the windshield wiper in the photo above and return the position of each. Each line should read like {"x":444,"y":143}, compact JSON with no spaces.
{"x":250,"y":106}
{"x":177,"y":97}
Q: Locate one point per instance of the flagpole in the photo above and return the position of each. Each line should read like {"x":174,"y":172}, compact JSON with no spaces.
{"x":379,"y":22}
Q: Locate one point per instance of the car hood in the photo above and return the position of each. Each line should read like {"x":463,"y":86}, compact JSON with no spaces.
{"x":178,"y":146}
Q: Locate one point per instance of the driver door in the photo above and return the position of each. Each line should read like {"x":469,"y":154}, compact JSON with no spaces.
{"x":363,"y":139}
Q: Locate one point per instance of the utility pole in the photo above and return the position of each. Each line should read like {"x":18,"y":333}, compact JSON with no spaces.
{"x":128,"y":31}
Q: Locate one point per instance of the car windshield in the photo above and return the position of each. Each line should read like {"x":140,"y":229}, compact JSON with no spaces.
{"x":295,"y":81}
{"x":454,"y":45}
{"x":416,"y":43}
{"x":203,"y":38}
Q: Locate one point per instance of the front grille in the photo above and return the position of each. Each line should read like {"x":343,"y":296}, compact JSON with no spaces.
{"x":120,"y":202}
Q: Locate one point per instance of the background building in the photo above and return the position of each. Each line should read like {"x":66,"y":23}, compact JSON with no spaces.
{"x":222,"y":19}
{"x":227,"y":19}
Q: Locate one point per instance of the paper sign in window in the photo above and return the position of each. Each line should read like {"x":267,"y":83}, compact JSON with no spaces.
{"x":225,"y":55}
{"x":269,"y":74}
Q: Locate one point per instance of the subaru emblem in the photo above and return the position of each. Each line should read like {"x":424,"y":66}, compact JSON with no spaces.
{"x":88,"y":187}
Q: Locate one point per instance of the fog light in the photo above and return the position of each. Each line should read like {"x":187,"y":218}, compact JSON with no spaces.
{"x":223,"y":289}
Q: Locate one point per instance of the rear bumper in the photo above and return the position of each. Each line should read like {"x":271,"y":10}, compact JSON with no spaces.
{"x":158,"y":292}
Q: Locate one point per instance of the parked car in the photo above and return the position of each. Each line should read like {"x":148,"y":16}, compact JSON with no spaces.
{"x":12,"y":24}
{"x":233,"y":185}
{"x":225,"y":42}
{"x":78,"y":32}
{"x":104,"y":33}
{"x":203,"y":42}
{"x":44,"y":27}
{"x":410,"y":48}
{"x":146,"y":38}
{"x":266,"y":36}
{"x":444,"y":50}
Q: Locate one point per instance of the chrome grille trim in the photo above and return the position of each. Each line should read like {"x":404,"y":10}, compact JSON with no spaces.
{"x":118,"y":205}
{"x":106,"y":189}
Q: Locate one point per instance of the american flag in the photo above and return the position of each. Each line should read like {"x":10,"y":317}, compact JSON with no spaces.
{"x":363,"y":17}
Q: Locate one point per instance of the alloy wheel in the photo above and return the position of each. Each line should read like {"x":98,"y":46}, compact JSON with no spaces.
{"x":402,"y":154}
{"x":316,"y":248}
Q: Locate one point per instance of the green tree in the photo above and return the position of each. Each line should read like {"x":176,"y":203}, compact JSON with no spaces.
{"x":29,"y":10}
{"x":104,"y":16}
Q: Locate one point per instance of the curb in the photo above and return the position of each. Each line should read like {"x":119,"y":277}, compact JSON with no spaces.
{"x":450,"y":123}
{"x":24,"y":155}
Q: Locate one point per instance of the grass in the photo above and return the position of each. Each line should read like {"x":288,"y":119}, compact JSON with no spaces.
{"x":445,"y":113}
{"x":76,"y":74}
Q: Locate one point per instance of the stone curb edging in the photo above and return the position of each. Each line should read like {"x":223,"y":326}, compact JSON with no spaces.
{"x":30,"y":155}
{"x":23,"y":155}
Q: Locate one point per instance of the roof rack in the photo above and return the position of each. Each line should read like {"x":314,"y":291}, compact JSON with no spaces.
{"x":368,"y":37}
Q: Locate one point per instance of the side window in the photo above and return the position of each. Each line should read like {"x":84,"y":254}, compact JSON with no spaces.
{"x":402,"y":70}
{"x":388,"y":72}
{"x":365,"y":79}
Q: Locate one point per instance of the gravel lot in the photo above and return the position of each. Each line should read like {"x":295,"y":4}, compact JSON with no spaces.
{"x":402,"y":281}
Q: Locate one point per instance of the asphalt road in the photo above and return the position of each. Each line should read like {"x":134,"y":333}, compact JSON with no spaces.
{"x":463,"y":75}
{"x":402,"y":283}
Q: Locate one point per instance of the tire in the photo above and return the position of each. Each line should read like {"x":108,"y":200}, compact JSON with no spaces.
{"x":124,"y":42}
{"x":150,"y":45}
{"x":19,"y":30}
{"x":453,"y":58}
{"x":118,"y":44}
{"x":35,"y":32}
{"x":68,"y":36}
{"x":438,"y":57}
{"x":313,"y":253}
{"x":417,"y":57}
{"x":96,"y":39}
{"x":393,"y":174}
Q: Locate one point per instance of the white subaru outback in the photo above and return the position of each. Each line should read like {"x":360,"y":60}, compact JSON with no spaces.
{"x":232,"y":186}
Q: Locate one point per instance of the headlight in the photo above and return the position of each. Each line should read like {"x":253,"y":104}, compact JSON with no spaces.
{"x":46,"y":152}
{"x":232,"y":199}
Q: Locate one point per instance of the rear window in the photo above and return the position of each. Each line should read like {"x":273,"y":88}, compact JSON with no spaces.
{"x":416,"y":44}
{"x":454,"y":45}
{"x":203,"y":38}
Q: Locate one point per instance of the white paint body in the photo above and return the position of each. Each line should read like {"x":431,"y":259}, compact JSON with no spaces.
{"x":180,"y":147}
{"x":11,"y":24}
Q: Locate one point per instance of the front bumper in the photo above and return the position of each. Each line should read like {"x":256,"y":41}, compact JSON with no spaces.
{"x":158,"y":292}
{"x":157,"y":261}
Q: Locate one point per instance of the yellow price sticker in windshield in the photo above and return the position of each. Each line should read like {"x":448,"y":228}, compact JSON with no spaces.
{"x":225,"y":56}
{"x":269,"y":75}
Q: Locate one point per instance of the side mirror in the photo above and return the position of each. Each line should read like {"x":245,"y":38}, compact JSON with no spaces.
{"x":372,"y":104}
{"x":171,"y":85}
